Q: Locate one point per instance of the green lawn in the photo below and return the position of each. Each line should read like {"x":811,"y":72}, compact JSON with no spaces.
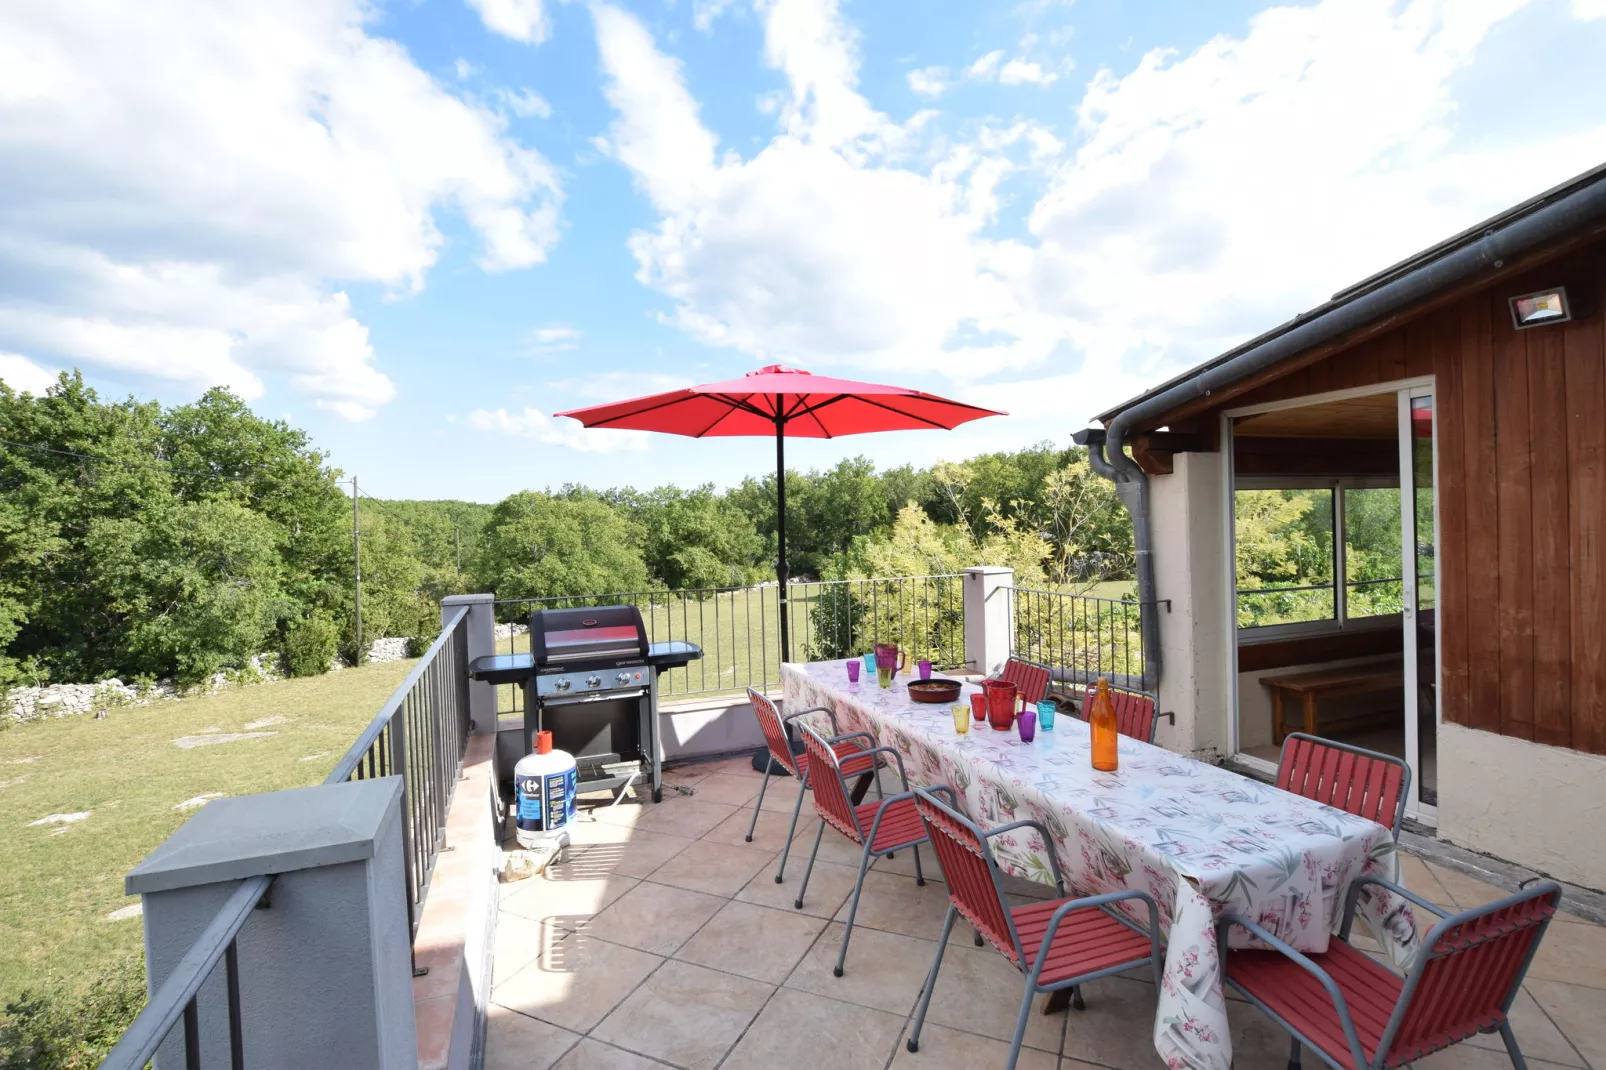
{"x":58,"y":882}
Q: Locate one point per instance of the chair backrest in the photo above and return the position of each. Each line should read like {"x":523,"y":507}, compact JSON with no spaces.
{"x":774,"y":729}
{"x":1134,"y":712}
{"x":830,"y":790}
{"x":1361,"y":782}
{"x":970,"y":872}
{"x":1031,"y":681}
{"x":1469,"y":972}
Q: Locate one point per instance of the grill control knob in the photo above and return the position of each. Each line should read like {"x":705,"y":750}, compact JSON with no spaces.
{"x":593,"y":681}
{"x":561,"y":684}
{"x":624,"y":678}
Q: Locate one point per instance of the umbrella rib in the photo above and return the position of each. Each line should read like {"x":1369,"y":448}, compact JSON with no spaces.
{"x":642,"y":411}
{"x":910,"y":415}
{"x":727,"y":411}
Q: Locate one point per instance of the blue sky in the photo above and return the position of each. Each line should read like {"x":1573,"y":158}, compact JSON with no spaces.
{"x":419,"y":229}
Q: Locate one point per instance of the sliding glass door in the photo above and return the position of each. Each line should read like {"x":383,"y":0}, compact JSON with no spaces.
{"x":1419,"y":525}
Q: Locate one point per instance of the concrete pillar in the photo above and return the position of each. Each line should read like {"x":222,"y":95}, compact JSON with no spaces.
{"x":481,"y":641}
{"x":989,"y":623}
{"x":326,"y":969}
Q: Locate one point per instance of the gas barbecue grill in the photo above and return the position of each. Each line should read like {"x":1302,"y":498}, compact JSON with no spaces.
{"x":591,"y":679}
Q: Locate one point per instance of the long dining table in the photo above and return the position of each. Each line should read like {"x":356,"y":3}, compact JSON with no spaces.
{"x":1200,"y":839}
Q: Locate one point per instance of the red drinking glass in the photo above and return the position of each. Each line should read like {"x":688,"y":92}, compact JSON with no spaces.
{"x":1000,"y":704}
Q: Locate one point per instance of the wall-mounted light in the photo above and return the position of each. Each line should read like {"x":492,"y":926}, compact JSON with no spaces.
{"x":1541,"y":308}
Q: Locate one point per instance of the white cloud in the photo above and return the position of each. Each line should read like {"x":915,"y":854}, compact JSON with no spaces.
{"x":463,"y":68}
{"x":618,"y":385}
{"x":1589,"y":9}
{"x":536,"y":425}
{"x":524,"y":103}
{"x":928,"y":81}
{"x":24,"y":376}
{"x":522,"y":20}
{"x":182,"y":198}
{"x":704,"y":12}
{"x":1021,"y":72}
{"x":556,"y":333}
{"x":1206,"y":197}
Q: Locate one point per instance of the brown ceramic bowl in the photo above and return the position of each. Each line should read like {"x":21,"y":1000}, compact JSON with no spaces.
{"x":935,"y":690}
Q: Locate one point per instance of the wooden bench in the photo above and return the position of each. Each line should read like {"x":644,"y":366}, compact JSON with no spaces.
{"x":1308,"y":687}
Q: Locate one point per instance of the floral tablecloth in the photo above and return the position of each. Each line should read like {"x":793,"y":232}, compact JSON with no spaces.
{"x":1200,"y":839}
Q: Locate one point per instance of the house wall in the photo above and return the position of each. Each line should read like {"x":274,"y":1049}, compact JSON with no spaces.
{"x":1538,"y":805}
{"x":1522,"y":497}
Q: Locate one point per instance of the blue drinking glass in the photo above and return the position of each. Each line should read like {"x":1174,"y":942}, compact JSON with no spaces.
{"x":1045,"y":715}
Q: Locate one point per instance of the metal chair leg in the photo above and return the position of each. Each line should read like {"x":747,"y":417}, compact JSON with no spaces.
{"x":759,"y":802}
{"x":797,"y":807}
{"x":1020,"y":1024}
{"x":798,"y":904}
{"x":853,"y":908}
{"x":920,"y":877}
{"x":1293,"y":1056}
{"x":977,"y":934}
{"x":913,"y":1043}
{"x":1077,"y":1002}
{"x":1511,"y":1047}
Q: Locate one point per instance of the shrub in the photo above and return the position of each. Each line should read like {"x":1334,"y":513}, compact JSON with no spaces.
{"x":309,"y":645}
{"x":65,"y":1029}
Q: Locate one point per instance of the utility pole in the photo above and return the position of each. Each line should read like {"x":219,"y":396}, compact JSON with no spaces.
{"x":356,"y":571}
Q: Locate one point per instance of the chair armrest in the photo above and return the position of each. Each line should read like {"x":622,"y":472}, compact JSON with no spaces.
{"x":953,"y":796}
{"x":884,"y":749}
{"x":1099,"y":902}
{"x":1352,"y":899}
{"x":1226,"y":921}
{"x":828,"y":711}
{"x":1048,"y":843}
{"x":845,"y":736}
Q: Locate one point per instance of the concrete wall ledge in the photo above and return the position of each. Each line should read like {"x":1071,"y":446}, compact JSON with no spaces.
{"x":456,"y":933}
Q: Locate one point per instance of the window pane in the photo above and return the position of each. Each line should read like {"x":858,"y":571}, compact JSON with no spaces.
{"x":1285,"y":556}
{"x":1372,"y":552}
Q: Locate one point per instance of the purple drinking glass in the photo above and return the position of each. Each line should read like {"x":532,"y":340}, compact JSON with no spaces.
{"x":1027,"y":724}
{"x":925,"y":669}
{"x":854,"y":665}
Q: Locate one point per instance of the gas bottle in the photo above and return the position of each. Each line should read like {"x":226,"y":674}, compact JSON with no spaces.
{"x":543,"y":783}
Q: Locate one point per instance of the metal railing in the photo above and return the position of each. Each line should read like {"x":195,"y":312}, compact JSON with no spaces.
{"x":739,"y":627}
{"x":419,"y":734}
{"x":1080,"y":637}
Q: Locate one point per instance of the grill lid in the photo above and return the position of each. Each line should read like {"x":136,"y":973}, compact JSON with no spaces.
{"x":562,"y":636}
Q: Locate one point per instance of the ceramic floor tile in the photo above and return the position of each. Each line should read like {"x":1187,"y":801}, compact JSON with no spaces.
{"x":563,"y":898}
{"x":1536,"y":1034}
{"x":515,"y":1041}
{"x":576,"y":983}
{"x":712,"y":868}
{"x":781,"y":796}
{"x":1117,"y":1028}
{"x":636,"y":855}
{"x":1579,"y":1012}
{"x":834,"y":847}
{"x":829,"y":887}
{"x":1258,"y":1043}
{"x":942,"y":1048}
{"x":1462,"y":1057}
{"x":883,"y":970}
{"x":685,"y":1014}
{"x":758,"y":942}
{"x":1574,"y":954}
{"x":769,"y":834}
{"x":519,"y":942}
{"x":653,"y":917}
{"x":724,"y":788}
{"x":595,"y":1055}
{"x":1465,"y":892}
{"x":978,"y":990}
{"x":1421,"y":880}
{"x":903,"y":864}
{"x":684,"y":817}
{"x":833,"y":1034}
{"x":897,"y":904}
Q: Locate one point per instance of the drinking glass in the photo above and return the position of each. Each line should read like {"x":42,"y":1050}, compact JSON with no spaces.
{"x":869,"y":663}
{"x":1046,"y":709}
{"x":978,"y":708}
{"x":883,"y":675}
{"x":925,"y":669}
{"x":853,"y":670}
{"x":961,"y":714}
{"x":1027,"y":724}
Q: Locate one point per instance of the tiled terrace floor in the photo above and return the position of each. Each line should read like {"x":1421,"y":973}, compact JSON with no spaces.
{"x":662,"y":939}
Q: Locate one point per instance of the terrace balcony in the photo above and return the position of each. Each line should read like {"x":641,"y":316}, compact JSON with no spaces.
{"x":659,"y":936}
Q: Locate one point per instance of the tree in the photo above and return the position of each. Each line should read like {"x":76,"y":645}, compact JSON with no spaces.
{"x":696,"y":538}
{"x":537,"y":545}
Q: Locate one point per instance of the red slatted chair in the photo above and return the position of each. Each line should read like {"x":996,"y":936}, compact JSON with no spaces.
{"x":1134,"y":712}
{"x":773,"y":726}
{"x":1031,"y":681}
{"x":1060,"y":943}
{"x":1361,"y":782}
{"x":881,"y":827}
{"x":1358,"y":1015}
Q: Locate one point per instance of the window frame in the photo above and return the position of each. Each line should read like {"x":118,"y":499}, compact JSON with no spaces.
{"x":1340,"y":621}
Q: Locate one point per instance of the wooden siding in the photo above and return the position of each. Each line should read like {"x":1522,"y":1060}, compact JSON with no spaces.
{"x":1522,"y":497}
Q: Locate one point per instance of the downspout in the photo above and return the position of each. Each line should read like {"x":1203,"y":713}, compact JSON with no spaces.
{"x":1107,"y":448}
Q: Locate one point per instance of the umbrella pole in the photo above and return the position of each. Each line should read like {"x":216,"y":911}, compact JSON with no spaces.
{"x":780,"y":535}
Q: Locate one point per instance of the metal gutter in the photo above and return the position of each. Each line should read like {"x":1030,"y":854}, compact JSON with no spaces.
{"x":1520,"y":230}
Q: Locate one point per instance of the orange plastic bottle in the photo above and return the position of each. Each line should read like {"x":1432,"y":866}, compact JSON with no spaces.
{"x":1101,"y":723}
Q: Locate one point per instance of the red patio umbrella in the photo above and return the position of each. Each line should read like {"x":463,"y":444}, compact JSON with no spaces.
{"x":782,"y":402}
